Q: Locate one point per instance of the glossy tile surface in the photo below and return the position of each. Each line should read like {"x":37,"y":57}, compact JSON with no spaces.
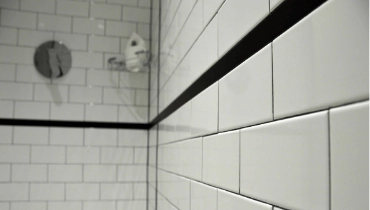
{"x":222,"y":170}
{"x":203,"y":196}
{"x":228,"y":200}
{"x":349,"y":152}
{"x":286,"y":163}
{"x":245,"y":96}
{"x":312,"y":71}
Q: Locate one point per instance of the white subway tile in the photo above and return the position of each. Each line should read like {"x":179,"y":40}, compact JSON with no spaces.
{"x":145,"y":3}
{"x":29,"y":74}
{"x":123,"y":44}
{"x":28,"y":205}
{"x":47,"y":154}
{"x":105,"y":11}
{"x":117,"y":155}
{"x":54,"y":23}
{"x":13,"y":192}
{"x":116,"y":28}
{"x":204,"y":111}
{"x":82,"y":192}
{"x":101,"y":137}
{"x":83,"y":155}
{"x":85,"y":94}
{"x":136,"y":14}
{"x":134,"y":80}
{"x":322,"y":76}
{"x":203,"y":196}
{"x":99,"y":113}
{"x":7,"y":71}
{"x":75,"y":76}
{"x":246,"y":101}
{"x":236,"y":18}
{"x":132,"y":137}
{"x":274,"y":4}
{"x":18,"y":19}
{"x":222,"y":170}
{"x":279,"y":155}
{"x":65,"y":111}
{"x":14,"y":154}
{"x":103,"y":44}
{"x":141,"y":97}
{"x":31,"y":135}
{"x":134,"y":204}
{"x":349,"y":152}
{"x":132,"y":173}
{"x":66,"y":136}
{"x":47,"y":6}
{"x":74,"y":8}
{"x":65,"y":173}
{"x":139,"y":191}
{"x":103,"y":78}
{"x":4,"y":174}
{"x":100,"y":173}
{"x":47,"y":192}
{"x":31,"y":110}
{"x":8,"y":35}
{"x":116,"y":191}
{"x":87,"y":60}
{"x":228,"y":200}
{"x":98,"y":205}
{"x":62,"y":205}
{"x":119,"y":96}
{"x":52,"y":93}
{"x":88,"y":26}
{"x":133,"y":114}
{"x":29,"y":173}
{"x":6,"y":110}
{"x":124,"y":2}
{"x":72,"y":41}
{"x":10,"y":4}
{"x":19,"y":55}
{"x":33,"y":38}
{"x":143,"y":30}
{"x":210,"y":9}
{"x":140,"y":155}
{"x":6,"y":134}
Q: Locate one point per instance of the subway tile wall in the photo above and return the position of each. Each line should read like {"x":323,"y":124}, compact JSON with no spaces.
{"x":286,"y":129}
{"x":94,"y":31}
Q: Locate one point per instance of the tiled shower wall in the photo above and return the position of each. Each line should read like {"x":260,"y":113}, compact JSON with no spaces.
{"x":287,"y":129}
{"x":94,"y":31}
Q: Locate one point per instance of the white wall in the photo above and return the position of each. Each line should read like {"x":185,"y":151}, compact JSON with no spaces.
{"x":286,"y":129}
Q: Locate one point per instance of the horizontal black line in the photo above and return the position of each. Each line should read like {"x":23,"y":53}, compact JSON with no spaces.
{"x":287,"y":14}
{"x":74,"y":124}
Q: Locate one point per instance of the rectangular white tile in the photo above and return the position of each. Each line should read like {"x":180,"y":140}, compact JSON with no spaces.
{"x":135,"y":14}
{"x":141,"y":97}
{"x":116,"y":191}
{"x":134,"y":80}
{"x":204,"y":111}
{"x":211,"y":7}
{"x":54,"y":23}
{"x":13,"y":192}
{"x":103,"y":78}
{"x":97,"y":205}
{"x":33,"y":38}
{"x":52,"y":93}
{"x":82,"y":192}
{"x":19,"y":55}
{"x":28,"y":205}
{"x":124,"y":2}
{"x":8,"y":35}
{"x":131,"y":173}
{"x":48,"y":154}
{"x":66,"y":136}
{"x":203,"y":196}
{"x":31,"y":110}
{"x":140,"y":155}
{"x":280,"y":155}
{"x":73,"y":8}
{"x":82,"y":155}
{"x":85,"y":94}
{"x":100,"y":173}
{"x":7,"y":71}
{"x":136,"y":138}
{"x":14,"y":154}
{"x":222,"y":170}
{"x":29,"y":74}
{"x":6,"y":110}
{"x":105,"y":11}
{"x":349,"y":152}
{"x":145,"y":3}
{"x":4,"y":173}
{"x":140,"y":191}
{"x":117,"y":155}
{"x":18,"y":19}
{"x":245,"y":94}
{"x":88,"y":26}
{"x":133,"y":114}
{"x":101,"y":113}
{"x":144,"y":30}
{"x":104,"y":44}
{"x":46,"y":6}
{"x":72,"y":41}
{"x":65,"y":173}
{"x":66,"y":111}
{"x":236,"y":18}
{"x":323,"y":75}
{"x":228,"y":200}
{"x":10,"y":4}
{"x":29,"y":173}
{"x":87,"y":59}
{"x":119,"y":28}
{"x":100,"y":137}
{"x":6,"y":134}
{"x":46,"y":192}
{"x":31,"y":135}
{"x":62,"y":205}
{"x":119,"y":96}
